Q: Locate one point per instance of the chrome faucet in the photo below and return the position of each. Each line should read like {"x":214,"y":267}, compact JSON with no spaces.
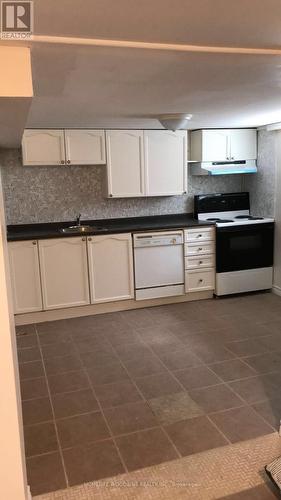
{"x":78,"y":220}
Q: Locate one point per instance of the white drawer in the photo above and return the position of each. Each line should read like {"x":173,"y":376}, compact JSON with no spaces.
{"x":202,"y":234}
{"x":199,"y":262}
{"x":199,"y":280}
{"x":199,"y":248}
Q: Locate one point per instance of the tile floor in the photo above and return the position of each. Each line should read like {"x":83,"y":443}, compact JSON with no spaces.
{"x":108,"y":394}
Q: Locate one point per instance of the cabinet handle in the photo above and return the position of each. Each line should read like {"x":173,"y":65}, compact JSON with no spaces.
{"x":62,"y":162}
{"x":227,"y":158}
{"x":200,"y":261}
{"x":34,"y":243}
{"x":200,"y":249}
{"x":232,"y":158}
{"x":199,"y":236}
{"x":201,"y":281}
{"x":89,"y":239}
{"x":83,"y":239}
{"x":68,"y":161}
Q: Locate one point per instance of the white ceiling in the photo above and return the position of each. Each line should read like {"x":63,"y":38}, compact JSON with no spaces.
{"x":79,"y":86}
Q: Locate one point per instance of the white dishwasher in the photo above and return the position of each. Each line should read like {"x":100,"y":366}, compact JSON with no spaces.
{"x":159,"y":264}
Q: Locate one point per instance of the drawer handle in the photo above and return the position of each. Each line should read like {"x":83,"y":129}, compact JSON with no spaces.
{"x":200,"y":249}
{"x":200,"y":261}
{"x":201,"y":280}
{"x":199,"y":236}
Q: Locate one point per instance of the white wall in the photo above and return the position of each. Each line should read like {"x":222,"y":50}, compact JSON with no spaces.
{"x":12,"y":465}
{"x":277,"y":251}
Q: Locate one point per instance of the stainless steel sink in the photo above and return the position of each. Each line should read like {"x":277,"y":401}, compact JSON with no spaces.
{"x":80,"y":229}
{"x":77,"y":229}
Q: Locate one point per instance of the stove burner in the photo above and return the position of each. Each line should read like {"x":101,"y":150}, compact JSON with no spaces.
{"x":220,"y":220}
{"x":248,"y":217}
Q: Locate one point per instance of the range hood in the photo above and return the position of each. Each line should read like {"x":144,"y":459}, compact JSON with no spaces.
{"x":223,"y":167}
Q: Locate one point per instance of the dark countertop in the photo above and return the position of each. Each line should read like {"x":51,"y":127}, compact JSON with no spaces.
{"x":21,"y":232}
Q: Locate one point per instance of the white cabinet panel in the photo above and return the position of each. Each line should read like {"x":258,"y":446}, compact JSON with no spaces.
{"x":209,"y":145}
{"x":64,"y":272}
{"x":85,"y":147}
{"x":43,"y":147}
{"x":243,"y":144}
{"x":197,"y":235}
{"x":165,"y":162}
{"x":125,"y":165}
{"x":199,"y":280}
{"x":25,"y":276}
{"x":111,"y":267}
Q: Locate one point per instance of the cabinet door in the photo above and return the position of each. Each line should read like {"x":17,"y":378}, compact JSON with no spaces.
{"x":111,"y":267}
{"x":243,"y":144}
{"x":125,"y":165}
{"x":25,"y":276}
{"x":165,"y":162}
{"x":85,"y":147}
{"x":215,"y":145}
{"x":43,"y":147}
{"x":64,"y":272}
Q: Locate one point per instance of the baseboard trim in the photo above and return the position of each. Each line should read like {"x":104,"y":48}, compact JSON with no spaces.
{"x":277,"y":290}
{"x":77,"y":312}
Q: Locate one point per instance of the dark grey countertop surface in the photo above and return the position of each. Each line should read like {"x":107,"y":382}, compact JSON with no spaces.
{"x":19,"y":232}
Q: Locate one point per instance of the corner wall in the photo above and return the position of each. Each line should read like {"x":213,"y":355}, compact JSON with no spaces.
{"x":262,"y":184}
{"x":277,"y":251}
{"x":12,"y":463}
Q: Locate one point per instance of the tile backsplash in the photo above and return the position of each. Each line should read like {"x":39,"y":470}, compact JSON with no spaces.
{"x":49,"y":194}
{"x":262,"y":185}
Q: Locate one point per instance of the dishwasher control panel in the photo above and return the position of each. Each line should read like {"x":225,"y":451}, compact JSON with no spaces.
{"x":158,"y":239}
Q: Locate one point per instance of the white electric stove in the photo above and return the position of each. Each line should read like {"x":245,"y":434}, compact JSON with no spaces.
{"x":244,"y":242}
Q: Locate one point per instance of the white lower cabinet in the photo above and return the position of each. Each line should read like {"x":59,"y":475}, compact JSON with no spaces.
{"x":25,"y":276}
{"x":199,"y":251}
{"x":64,"y":272}
{"x":198,"y":280}
{"x":111,"y":267}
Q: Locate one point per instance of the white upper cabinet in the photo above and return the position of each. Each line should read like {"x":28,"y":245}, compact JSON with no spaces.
{"x":223,"y":145}
{"x":243,"y":144}
{"x":125,"y":163}
{"x":111,"y":267}
{"x":165,"y":162}
{"x":25,"y":276}
{"x":85,"y":147}
{"x":146,"y":163}
{"x":64,"y":272}
{"x":60,"y":147}
{"x":43,"y":147}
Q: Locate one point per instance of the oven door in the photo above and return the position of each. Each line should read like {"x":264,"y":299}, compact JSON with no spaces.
{"x":244,"y":247}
